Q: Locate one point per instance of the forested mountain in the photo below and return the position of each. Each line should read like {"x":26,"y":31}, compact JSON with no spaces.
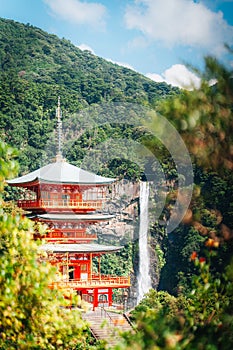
{"x":37,"y":67}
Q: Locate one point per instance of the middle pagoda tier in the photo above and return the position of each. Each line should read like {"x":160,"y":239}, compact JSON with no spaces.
{"x":69,"y":228}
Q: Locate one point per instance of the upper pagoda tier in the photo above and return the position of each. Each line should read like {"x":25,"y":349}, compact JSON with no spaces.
{"x":62,"y":187}
{"x":60,"y":172}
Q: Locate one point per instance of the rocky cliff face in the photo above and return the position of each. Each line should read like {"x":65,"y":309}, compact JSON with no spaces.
{"x":122,"y":202}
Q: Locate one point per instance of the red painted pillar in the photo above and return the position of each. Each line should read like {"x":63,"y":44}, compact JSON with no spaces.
{"x":110,"y":296}
{"x":95,"y":298}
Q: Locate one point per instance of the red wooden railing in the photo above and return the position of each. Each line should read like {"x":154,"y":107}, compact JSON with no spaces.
{"x":59,"y":234}
{"x":75,"y":237}
{"x":100,"y":281}
{"x":72,"y":204}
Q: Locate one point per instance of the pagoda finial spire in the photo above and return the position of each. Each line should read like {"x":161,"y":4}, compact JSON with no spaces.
{"x":59,"y":156}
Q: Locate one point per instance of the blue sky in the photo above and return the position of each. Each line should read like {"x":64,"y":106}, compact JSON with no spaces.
{"x":153,"y":37}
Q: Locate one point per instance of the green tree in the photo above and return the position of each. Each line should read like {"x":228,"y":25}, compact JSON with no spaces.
{"x":201,"y":320}
{"x":204,"y":118}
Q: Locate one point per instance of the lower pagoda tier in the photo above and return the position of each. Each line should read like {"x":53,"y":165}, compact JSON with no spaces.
{"x":75,"y":271}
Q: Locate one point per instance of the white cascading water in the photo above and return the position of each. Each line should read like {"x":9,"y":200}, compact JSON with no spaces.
{"x":144,"y":280}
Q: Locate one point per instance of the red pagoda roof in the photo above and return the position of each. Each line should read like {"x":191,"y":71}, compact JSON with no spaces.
{"x":61,"y":172}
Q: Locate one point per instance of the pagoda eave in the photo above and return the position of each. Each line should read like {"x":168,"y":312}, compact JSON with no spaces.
{"x":94,"y":249}
{"x":69,"y":217}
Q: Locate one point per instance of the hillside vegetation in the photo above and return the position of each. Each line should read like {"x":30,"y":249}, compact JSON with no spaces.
{"x":37,"y":67}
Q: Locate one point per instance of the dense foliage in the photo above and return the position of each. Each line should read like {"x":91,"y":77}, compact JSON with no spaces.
{"x":37,"y":67}
{"x":198,"y":253}
{"x":205,"y":120}
{"x":201,"y":319}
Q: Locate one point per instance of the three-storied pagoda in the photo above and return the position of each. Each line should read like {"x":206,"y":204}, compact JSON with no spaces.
{"x":69,"y":199}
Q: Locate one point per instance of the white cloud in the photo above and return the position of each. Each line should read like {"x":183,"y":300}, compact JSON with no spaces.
{"x":79,"y":12}
{"x":123,"y":64}
{"x":156,"y":77}
{"x":85,"y":47}
{"x":180,"y":22}
{"x":177,"y":75}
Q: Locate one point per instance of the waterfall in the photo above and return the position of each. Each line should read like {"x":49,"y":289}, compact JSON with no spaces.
{"x":144,"y":280}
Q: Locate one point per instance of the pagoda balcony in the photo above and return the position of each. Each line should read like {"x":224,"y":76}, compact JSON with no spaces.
{"x":97,"y":281}
{"x":84,"y":238}
{"x":73,"y":233}
{"x":75,"y":237}
{"x":60,"y":204}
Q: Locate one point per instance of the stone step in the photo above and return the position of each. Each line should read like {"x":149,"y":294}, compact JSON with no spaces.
{"x":107,"y":325}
